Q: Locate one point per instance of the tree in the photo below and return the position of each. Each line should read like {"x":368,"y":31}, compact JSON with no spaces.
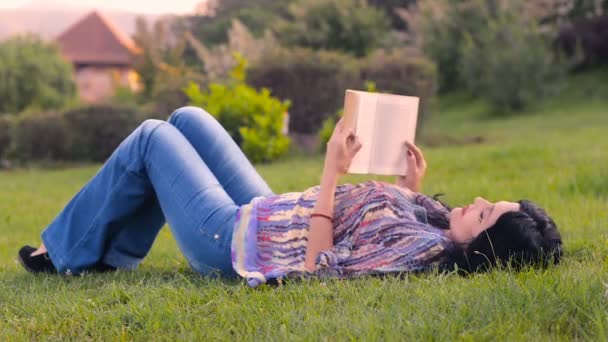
{"x":560,"y":12}
{"x":443,"y":26}
{"x":216,"y":7}
{"x":214,"y":18}
{"x":350,"y":26}
{"x":166,"y":64}
{"x":217,"y":62}
{"x":490,"y":49}
{"x":391,"y":7}
{"x":33,"y":74}
{"x":509,"y":64}
{"x":147,"y":62}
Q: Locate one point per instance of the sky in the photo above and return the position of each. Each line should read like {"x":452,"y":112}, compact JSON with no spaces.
{"x":137,"y":6}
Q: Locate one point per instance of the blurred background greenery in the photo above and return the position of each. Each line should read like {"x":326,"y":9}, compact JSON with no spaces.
{"x":255,"y":63}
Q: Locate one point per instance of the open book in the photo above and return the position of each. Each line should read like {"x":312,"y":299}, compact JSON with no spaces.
{"x":383,"y":123}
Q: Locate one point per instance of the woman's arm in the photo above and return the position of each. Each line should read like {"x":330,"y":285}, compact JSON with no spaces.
{"x":321,"y":233}
{"x":341,"y":148}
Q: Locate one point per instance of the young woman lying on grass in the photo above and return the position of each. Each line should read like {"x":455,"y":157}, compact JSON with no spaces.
{"x":189,"y":172}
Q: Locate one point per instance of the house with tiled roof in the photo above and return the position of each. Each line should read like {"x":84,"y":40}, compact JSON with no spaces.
{"x":102,"y":56}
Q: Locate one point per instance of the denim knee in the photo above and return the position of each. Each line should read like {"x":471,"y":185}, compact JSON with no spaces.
{"x":146,"y":129}
{"x":185,"y":114}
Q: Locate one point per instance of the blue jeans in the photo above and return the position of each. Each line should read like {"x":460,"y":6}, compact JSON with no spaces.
{"x":186,"y":171}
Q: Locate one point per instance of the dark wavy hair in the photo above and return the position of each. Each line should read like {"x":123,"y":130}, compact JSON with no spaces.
{"x":528,"y":237}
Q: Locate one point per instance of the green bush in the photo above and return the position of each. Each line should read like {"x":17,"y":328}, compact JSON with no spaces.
{"x":509,"y":63}
{"x":327,"y":130}
{"x":443,"y":26}
{"x":88,"y":133}
{"x":253,"y":118}
{"x":96,"y":130}
{"x":41,"y":136}
{"x":491,"y":48}
{"x":6,"y":127}
{"x":349,"y":26}
{"x":33,"y":74}
{"x":314,"y":82}
{"x":402,"y":73}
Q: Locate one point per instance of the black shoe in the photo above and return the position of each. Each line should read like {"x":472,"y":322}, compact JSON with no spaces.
{"x":100,"y":267}
{"x":40,"y":263}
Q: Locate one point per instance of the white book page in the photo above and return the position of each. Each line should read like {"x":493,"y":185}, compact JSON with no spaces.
{"x":364,"y":129}
{"x":395,"y":122}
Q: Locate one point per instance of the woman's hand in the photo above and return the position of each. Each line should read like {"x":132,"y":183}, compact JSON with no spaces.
{"x":341,"y":148}
{"x":416,"y":169}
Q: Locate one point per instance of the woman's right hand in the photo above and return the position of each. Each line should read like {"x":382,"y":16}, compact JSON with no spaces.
{"x":416,"y":168}
{"x":341,"y":149}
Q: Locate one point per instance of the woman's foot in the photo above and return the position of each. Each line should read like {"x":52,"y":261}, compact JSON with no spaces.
{"x":40,"y":250}
{"x":36,"y":263}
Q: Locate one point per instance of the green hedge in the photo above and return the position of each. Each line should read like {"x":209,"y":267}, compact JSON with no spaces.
{"x":41,"y":136}
{"x":314,"y":82}
{"x":87,"y":133}
{"x":95,"y":131}
{"x":6,"y":124}
{"x":404,"y":73}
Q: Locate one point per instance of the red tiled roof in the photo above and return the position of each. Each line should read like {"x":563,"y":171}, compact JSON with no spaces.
{"x":95,"y":40}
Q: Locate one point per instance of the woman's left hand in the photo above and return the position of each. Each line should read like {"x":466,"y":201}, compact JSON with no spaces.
{"x":416,"y":169}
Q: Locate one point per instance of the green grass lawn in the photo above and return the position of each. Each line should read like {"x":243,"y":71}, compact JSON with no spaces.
{"x":555,"y":154}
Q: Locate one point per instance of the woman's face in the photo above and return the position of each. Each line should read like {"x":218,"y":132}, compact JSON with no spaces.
{"x":468,"y":222}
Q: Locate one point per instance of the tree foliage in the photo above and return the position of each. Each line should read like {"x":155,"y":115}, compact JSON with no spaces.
{"x":218,"y":61}
{"x":166,"y":65}
{"x":509,"y":63}
{"x":212,"y":24}
{"x":33,"y":74}
{"x":492,"y":48}
{"x":6,"y":127}
{"x":350,"y":26}
{"x":443,"y":27}
{"x":391,"y":7}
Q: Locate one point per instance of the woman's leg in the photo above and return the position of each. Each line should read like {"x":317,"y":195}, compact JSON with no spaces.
{"x":155,"y":166}
{"x":225,"y":159}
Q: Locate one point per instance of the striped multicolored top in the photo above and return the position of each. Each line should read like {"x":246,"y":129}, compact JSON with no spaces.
{"x":378,"y":228}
